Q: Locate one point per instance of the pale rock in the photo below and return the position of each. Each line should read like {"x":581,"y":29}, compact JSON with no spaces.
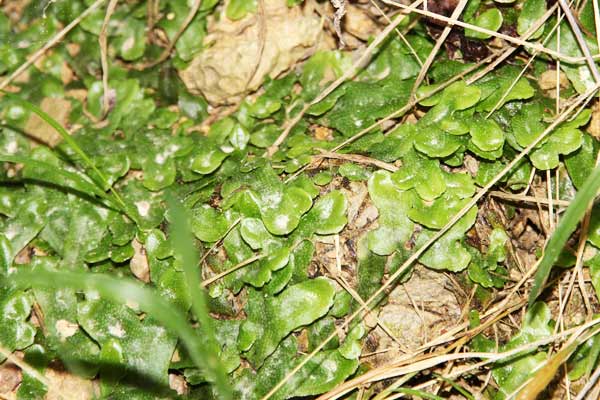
{"x":139,"y":262}
{"x":228,"y":67}
{"x":358,"y":23}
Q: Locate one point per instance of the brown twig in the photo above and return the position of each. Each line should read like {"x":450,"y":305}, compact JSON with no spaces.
{"x":103,"y":41}
{"x":508,"y":38}
{"x":215,"y":278}
{"x":348,"y":74}
{"x":356,"y":158}
{"x":438,"y":45}
{"x":51,"y":43}
{"x":167,"y":52}
{"x":402,"y":269}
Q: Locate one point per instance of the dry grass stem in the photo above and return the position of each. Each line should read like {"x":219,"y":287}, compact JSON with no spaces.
{"x":438,"y":45}
{"x":356,"y":158}
{"x":348,"y":74}
{"x":400,"y":35}
{"x":103,"y":41}
{"x":580,"y":40}
{"x":51,"y":43}
{"x":529,"y":199}
{"x":508,"y":38}
{"x":242,"y":264}
{"x":509,"y":51}
{"x":402,"y":269}
{"x":167,"y":52}
{"x":24,"y":366}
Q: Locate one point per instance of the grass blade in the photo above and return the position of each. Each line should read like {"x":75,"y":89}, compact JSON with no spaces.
{"x":123,"y":290}
{"x":71,"y":142}
{"x":46,"y":172}
{"x":565,"y":228}
{"x":456,"y":386}
{"x":186,"y":252}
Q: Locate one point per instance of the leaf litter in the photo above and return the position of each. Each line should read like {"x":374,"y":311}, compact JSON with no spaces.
{"x":293,"y":244}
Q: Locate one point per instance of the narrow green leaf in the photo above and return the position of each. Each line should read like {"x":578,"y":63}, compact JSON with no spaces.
{"x":182,"y":239}
{"x":568,"y":223}
{"x":49,"y":173}
{"x":71,"y":142}
{"x":456,"y":386}
{"x":124,"y":290}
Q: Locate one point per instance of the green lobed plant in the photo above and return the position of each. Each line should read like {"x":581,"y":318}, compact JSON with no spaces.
{"x":82,"y":205}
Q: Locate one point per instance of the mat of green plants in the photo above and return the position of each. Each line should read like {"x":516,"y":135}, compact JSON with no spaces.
{"x":299,"y":199}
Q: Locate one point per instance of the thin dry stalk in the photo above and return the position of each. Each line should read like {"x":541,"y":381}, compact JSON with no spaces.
{"x":356,"y":158}
{"x":501,"y":306}
{"x":526,"y":67}
{"x":218,"y":242}
{"x":348,"y":74}
{"x":242,"y":264}
{"x":402,"y":269}
{"x":372,"y":375}
{"x":510,"y":39}
{"x":557,"y":106}
{"x":489,"y":358}
{"x":529,"y":199}
{"x":438,"y":45}
{"x":573,"y":335}
{"x":167,"y":52}
{"x":546,"y":372}
{"x":473,"y":367}
{"x":508,"y":52}
{"x":580,"y":249}
{"x":563,"y":300}
{"x":399,"y":112}
{"x":152,"y":11}
{"x":103,"y":41}
{"x":530,"y":32}
{"x":408,"y":106}
{"x":400,"y":35}
{"x":597,"y":21}
{"x":580,"y":40}
{"x":590,"y":384}
{"x":24,"y":366}
{"x":51,"y":43}
{"x":346,"y":286}
{"x":550,"y":200}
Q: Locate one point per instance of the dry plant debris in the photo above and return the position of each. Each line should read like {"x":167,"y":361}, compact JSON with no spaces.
{"x":273,"y":199}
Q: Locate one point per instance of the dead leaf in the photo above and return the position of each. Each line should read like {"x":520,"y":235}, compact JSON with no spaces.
{"x":547,"y":80}
{"x":178,"y":384}
{"x":10,"y":378}
{"x":227,"y":70}
{"x":594,"y":126}
{"x":62,"y":384}
{"x":65,"y":328}
{"x":139,"y":262}
{"x":323,"y":133}
{"x":420,"y":310}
